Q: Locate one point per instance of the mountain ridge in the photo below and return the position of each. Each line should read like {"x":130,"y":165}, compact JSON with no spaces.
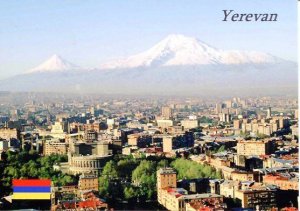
{"x":178,"y":64}
{"x":174,"y":50}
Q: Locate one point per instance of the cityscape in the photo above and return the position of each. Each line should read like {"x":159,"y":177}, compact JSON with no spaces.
{"x":157,"y":153}
{"x":149,"y":105}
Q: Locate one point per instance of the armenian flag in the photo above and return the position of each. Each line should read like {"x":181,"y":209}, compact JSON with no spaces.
{"x":28,"y":189}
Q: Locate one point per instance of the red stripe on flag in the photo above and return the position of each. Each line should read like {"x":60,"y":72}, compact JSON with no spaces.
{"x":31,"y":182}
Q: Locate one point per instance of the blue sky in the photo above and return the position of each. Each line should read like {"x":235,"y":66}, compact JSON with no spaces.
{"x":88,"y":33}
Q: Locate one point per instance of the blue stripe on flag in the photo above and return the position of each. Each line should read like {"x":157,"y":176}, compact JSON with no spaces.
{"x":32,"y":189}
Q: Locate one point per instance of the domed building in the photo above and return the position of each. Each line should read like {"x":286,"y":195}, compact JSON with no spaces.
{"x":88,"y":157}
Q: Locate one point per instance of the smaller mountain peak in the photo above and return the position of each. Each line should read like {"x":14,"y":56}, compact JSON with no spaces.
{"x":55,"y":56}
{"x":177,"y":36}
{"x":54,"y":64}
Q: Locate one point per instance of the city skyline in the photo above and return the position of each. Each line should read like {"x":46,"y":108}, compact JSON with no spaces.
{"x":179,"y":153}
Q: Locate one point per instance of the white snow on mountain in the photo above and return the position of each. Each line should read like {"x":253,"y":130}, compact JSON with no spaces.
{"x":54,"y":64}
{"x":179,"y":50}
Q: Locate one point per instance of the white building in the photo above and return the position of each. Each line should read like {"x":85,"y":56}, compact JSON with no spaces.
{"x":189,"y":124}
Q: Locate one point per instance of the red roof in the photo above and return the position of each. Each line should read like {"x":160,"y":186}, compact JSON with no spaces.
{"x":69,"y":205}
{"x":178,"y":195}
{"x":88,"y":204}
{"x":205,"y":209}
{"x":289,"y":209}
{"x":171,"y":190}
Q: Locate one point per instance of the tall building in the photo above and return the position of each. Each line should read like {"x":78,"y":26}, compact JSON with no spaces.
{"x":92,"y":110}
{"x":4,"y":145}
{"x":228,"y":103}
{"x":166,"y":112}
{"x":224,"y":117}
{"x":110,"y":123}
{"x":236,"y":124}
{"x":15,"y":114}
{"x":166,"y":177}
{"x":218,"y":108}
{"x":269,"y":114}
{"x":167,"y":143}
{"x":295,"y":130}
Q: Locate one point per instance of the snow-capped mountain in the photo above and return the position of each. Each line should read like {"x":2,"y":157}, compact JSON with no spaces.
{"x":180,"y":50}
{"x":177,"y":65}
{"x":54,"y":64}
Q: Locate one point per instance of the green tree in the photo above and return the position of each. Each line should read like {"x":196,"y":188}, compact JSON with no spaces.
{"x":221,"y":148}
{"x":144,"y":176}
{"x":67,"y":180}
{"x":162,"y":164}
{"x":110,"y":170}
{"x":144,"y":170}
{"x":219,"y":174}
{"x":125,"y":167}
{"x":129,"y":192}
{"x":104,"y":186}
{"x":108,"y":181}
{"x":188,"y":169}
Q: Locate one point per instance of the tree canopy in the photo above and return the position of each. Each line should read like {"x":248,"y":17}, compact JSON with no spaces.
{"x":188,"y":169}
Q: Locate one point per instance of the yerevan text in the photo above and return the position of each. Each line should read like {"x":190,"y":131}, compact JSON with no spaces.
{"x":230,"y":15}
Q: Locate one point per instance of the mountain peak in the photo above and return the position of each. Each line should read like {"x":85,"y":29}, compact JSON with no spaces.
{"x":54,"y":64}
{"x":180,"y":38}
{"x":179,"y":41}
{"x":181,"y":50}
{"x":177,"y":37}
{"x":56,"y":57}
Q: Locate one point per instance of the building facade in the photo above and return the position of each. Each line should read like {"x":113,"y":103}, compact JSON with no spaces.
{"x":88,"y":182}
{"x":55,"y":147}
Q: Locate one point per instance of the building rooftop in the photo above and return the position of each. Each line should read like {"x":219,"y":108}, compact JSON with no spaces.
{"x":282,"y":176}
{"x":167,"y":171}
{"x":201,"y":196}
{"x":87,"y":176}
